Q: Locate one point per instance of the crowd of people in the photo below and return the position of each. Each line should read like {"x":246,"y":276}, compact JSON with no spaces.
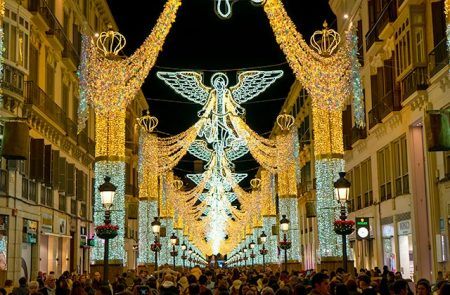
{"x":244,"y":281}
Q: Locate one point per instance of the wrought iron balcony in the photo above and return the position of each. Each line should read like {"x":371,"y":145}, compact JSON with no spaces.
{"x":37,"y":97}
{"x":387,"y":15}
{"x":54,"y":27}
{"x":438,"y":58}
{"x":389,"y":103}
{"x":417,"y":79}
{"x":12,"y":79}
{"x":358,"y":133}
{"x":70,"y":54}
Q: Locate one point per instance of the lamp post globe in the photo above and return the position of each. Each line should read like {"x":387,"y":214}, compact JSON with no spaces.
{"x":341,"y":192}
{"x":156,"y":226}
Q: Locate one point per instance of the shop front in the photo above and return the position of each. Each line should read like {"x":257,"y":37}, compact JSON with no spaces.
{"x":29,"y":241}
{"x":405,"y":246}
{"x":389,"y":256}
{"x":3,"y":247}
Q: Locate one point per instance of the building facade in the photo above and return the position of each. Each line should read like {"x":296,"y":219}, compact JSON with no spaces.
{"x":46,"y":200}
{"x":397,"y":182}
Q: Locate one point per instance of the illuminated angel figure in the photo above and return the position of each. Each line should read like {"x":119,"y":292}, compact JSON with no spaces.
{"x":220,"y":101}
{"x":223,"y":8}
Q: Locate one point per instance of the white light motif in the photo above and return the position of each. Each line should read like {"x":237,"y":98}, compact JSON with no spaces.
{"x":223,"y":8}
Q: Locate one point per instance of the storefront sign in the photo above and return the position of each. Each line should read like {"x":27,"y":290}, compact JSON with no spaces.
{"x":47,"y":223}
{"x":362,"y":228}
{"x":30,"y":231}
{"x":404,"y":227}
{"x":387,"y":230}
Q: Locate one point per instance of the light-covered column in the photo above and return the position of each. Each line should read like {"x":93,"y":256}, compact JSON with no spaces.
{"x":289,"y":207}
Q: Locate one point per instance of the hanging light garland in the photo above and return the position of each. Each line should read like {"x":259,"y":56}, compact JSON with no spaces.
{"x":2,"y":49}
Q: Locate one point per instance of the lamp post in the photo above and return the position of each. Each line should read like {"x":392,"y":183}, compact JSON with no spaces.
{"x":156,"y":228}
{"x":341,"y":191}
{"x":252,"y":255}
{"x":245,"y":256}
{"x":174,"y":253}
{"x":183,"y":248}
{"x":263,"y":238}
{"x":190,"y":257}
{"x":284,"y":226}
{"x":107,"y":192}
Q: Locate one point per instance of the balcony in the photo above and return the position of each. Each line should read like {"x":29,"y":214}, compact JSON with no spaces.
{"x":358,"y":133}
{"x":389,"y":103}
{"x":438,"y":58}
{"x":347,"y":141}
{"x":91,"y":147}
{"x":71,"y":129}
{"x":70,"y":55}
{"x":47,"y":19}
{"x":82,"y":139}
{"x":416,"y":80}
{"x":35,"y":96}
{"x":12,"y":79}
{"x":387,"y":15}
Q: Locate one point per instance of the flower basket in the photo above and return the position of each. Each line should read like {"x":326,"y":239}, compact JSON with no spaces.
{"x":155,"y":247}
{"x":343,"y":227}
{"x":184,"y":257}
{"x":252,"y":256}
{"x":106,"y":231}
{"x":285,"y":245}
{"x":173,"y":253}
{"x":263,"y":251}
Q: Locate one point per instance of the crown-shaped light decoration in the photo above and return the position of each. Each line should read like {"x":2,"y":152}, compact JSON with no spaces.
{"x":147,"y":122}
{"x":177,"y":184}
{"x":285,"y":121}
{"x":325,"y":41}
{"x":255,"y":183}
{"x":110,"y":43}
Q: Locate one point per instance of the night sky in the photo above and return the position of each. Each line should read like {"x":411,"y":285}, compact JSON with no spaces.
{"x":199,"y":40}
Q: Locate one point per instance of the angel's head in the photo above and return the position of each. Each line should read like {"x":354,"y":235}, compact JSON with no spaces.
{"x":219,"y":81}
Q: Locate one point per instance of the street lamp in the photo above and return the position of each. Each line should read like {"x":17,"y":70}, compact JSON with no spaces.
{"x":245,"y":256}
{"x":190,"y":257}
{"x":284,"y":226}
{"x":263,"y":238}
{"x":341,"y":191}
{"x":174,"y":253}
{"x":183,"y":248}
{"x":252,"y":255}
{"x":156,"y":228}
{"x":107,"y":193}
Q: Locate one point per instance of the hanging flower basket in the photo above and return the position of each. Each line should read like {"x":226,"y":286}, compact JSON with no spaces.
{"x":343,"y":227}
{"x":184,"y":257}
{"x":252,"y":256}
{"x":155,"y":247}
{"x":173,"y":253}
{"x":285,"y":245}
{"x":106,"y":231}
{"x":263,"y":251}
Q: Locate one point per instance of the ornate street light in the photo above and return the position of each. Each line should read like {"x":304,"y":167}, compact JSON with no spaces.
{"x":174,"y":253}
{"x":156,"y":246}
{"x":341,"y":191}
{"x":107,"y":193}
{"x":190,"y":257}
{"x":183,"y":256}
{"x":252,"y":255}
{"x":285,"y":245}
{"x":263,"y":251}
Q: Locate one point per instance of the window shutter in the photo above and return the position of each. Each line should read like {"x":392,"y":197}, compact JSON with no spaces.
{"x":79,"y":185}
{"x":374,"y":89}
{"x":55,"y":170}
{"x":48,"y":165}
{"x":70,"y":188}
{"x":62,"y":174}
{"x":438,"y":18}
{"x":84,"y":187}
{"x":37,"y":159}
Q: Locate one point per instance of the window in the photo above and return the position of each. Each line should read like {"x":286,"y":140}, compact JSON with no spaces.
{"x":16,"y":32}
{"x":403,"y":48}
{"x":65,"y":98}
{"x":357,"y":187}
{"x":400,"y":166}
{"x":361,"y":190}
{"x":50,"y":78}
{"x":351,"y":197}
{"x":384,"y":173}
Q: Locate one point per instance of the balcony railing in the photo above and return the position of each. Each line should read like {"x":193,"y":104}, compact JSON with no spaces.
{"x":388,"y":14}
{"x":416,"y":80}
{"x":71,"y":129}
{"x":37,"y":97}
{"x":438,"y":58}
{"x":12,"y":79}
{"x":55,"y":28}
{"x":389,"y":103}
{"x":70,"y":52}
{"x":358,"y":133}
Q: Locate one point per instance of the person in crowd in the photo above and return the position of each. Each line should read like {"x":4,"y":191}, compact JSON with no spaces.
{"x":78,"y":288}
{"x":103,"y":290}
{"x":320,"y":283}
{"x":8,"y":286}
{"x":49,"y":285}
{"x":168,"y":286}
{"x":33,"y":288}
{"x":22,"y":289}
{"x":400,"y":287}
{"x":423,"y":287}
{"x":97,"y":281}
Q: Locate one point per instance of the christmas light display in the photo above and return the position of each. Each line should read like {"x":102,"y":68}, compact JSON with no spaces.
{"x":357,"y":89}
{"x":223,"y":8}
{"x":328,"y":73}
{"x":2,"y":49}
{"x":447,"y":14}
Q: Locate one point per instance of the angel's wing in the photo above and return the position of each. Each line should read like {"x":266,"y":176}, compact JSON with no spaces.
{"x":187,"y":84}
{"x":253,"y":83}
{"x":234,"y":154}
{"x":200,"y":150}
